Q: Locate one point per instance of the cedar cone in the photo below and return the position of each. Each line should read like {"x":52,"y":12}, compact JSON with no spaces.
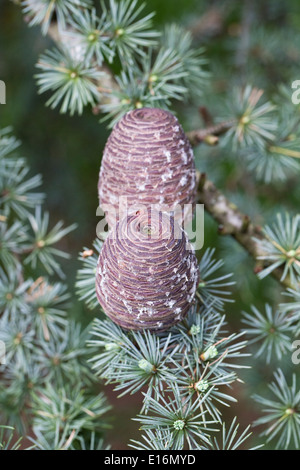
{"x":148,"y":159}
{"x":147,"y":272}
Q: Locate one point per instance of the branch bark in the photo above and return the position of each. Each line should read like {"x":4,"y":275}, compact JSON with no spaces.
{"x":234,"y":223}
{"x":210,"y":134}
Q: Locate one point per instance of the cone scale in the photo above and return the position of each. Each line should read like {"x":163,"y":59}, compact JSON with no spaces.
{"x":149,"y":160}
{"x":147,"y":272}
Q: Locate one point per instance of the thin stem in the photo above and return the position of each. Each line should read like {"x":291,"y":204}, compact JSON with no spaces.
{"x":285,"y":151}
{"x":204,"y":135}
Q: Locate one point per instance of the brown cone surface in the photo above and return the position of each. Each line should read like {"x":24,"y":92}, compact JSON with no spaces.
{"x":147,"y":272}
{"x":148,"y":159}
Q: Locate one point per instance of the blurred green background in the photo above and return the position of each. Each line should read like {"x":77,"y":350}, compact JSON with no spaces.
{"x":67,"y":150}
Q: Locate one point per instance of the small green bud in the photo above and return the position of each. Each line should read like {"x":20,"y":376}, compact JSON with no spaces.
{"x":120,"y":32}
{"x":245,"y":120}
{"x":146,"y":365}
{"x":202,"y":284}
{"x":153,"y":78}
{"x":210,"y":353}
{"x":179,"y":424}
{"x":18,"y":338}
{"x":195,"y":329}
{"x":92,"y":37}
{"x":202,"y":385}
{"x":125,"y":101}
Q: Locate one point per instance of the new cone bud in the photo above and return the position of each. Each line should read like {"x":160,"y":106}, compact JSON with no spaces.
{"x":147,"y":160}
{"x":147,"y":272}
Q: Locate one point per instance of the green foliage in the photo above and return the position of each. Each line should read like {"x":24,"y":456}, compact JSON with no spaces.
{"x":154,"y":440}
{"x":253,"y":122}
{"x":146,"y":363}
{"x":213,"y":290}
{"x":292,"y":309}
{"x":163,"y":75}
{"x":282,"y":247}
{"x":7,"y":444}
{"x":196,"y":355}
{"x":42,"y":11}
{"x":206,"y":381}
{"x":193,"y":62}
{"x":42,"y":345}
{"x":15,"y":190}
{"x":278,"y":159}
{"x":272,"y":331}
{"x":133,"y":92}
{"x":128,"y":33}
{"x":281,"y":413}
{"x":72,"y":442}
{"x":182,"y":418}
{"x":230,"y":439}
{"x":40,"y":242}
{"x":151,"y":74}
{"x":74,"y":84}
{"x":67,"y":409}
{"x":265,"y":136}
{"x":91,"y":33}
{"x":85,"y":285}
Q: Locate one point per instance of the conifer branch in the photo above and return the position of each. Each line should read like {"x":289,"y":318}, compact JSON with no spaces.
{"x":233,"y":222}
{"x":209,"y":135}
{"x":107,"y":81}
